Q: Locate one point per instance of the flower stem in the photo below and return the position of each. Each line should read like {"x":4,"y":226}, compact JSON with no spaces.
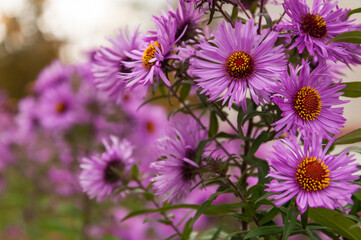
{"x":260,"y":17}
{"x":158,"y":206}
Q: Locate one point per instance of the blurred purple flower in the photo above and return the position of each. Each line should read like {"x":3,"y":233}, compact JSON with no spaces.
{"x":108,"y":67}
{"x":100,"y":175}
{"x":55,"y":74}
{"x":59,"y":108}
{"x":175,"y":166}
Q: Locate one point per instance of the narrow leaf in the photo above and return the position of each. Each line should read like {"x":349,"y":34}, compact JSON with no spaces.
{"x":336,"y":221}
{"x":234,"y":13}
{"x":290,"y":221}
{"x":304,"y":219}
{"x":357,"y":10}
{"x":352,"y":137}
{"x":265,"y":230}
{"x":352,"y":90}
{"x":213,"y":124}
{"x":269,"y":216}
{"x":350,"y":37}
{"x":185,"y":91}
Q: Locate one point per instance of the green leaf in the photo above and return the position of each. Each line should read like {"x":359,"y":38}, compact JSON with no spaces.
{"x":135,"y":172}
{"x":352,"y":90}
{"x":350,"y":37}
{"x":234,"y":13}
{"x":264,"y":230}
{"x":162,"y":209}
{"x":164,"y":221}
{"x":199,"y":150}
{"x":336,"y":221}
{"x":269,"y":216}
{"x":312,"y":235}
{"x":352,"y":137}
{"x":185,"y":91}
{"x":187,"y":230}
{"x":267,"y":17}
{"x":213,"y":124}
{"x":148,"y":196}
{"x":290,"y":221}
{"x":189,"y":225}
{"x":357,"y":10}
{"x":252,"y":115}
{"x":304,"y":219}
{"x":216,"y":234}
{"x":226,"y":135}
{"x":240,"y":116}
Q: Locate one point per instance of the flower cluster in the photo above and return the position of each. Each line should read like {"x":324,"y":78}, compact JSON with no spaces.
{"x":93,"y":127}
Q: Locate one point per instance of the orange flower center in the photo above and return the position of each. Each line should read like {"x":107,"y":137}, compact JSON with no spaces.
{"x":150,"y":127}
{"x":312,"y":174}
{"x":307,"y":103}
{"x":240,"y":65}
{"x":149,"y":55}
{"x":314,"y":25}
{"x":60,"y":107}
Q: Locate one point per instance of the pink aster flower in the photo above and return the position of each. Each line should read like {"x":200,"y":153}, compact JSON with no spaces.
{"x":101,"y":175}
{"x":238,"y":59}
{"x":175,"y":167}
{"x":307,"y":100}
{"x":108,"y":68}
{"x":59,"y":108}
{"x":312,"y":29}
{"x":187,"y":20}
{"x":55,"y":74}
{"x":308,"y":173}
{"x":147,"y":61}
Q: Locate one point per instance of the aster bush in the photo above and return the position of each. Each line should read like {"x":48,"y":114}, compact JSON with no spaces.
{"x":222,"y":122}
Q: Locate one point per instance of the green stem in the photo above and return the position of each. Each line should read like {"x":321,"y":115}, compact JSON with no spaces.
{"x":158,"y":206}
{"x":260,"y":18}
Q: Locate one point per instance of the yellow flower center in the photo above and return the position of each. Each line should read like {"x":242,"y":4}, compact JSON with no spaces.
{"x":312,"y":174}
{"x":314,"y":25}
{"x":239,"y":65}
{"x":307,"y":103}
{"x":149,"y":55}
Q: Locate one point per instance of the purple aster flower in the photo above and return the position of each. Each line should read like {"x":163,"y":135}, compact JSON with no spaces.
{"x":187,"y":20}
{"x":101,"y":175}
{"x":175,"y":167}
{"x":147,"y":62}
{"x":59,"y":108}
{"x":307,"y":100}
{"x":108,"y":67}
{"x":235,"y":59}
{"x":147,"y":125}
{"x":313,"y":29}
{"x":55,"y":74}
{"x":315,"y":178}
